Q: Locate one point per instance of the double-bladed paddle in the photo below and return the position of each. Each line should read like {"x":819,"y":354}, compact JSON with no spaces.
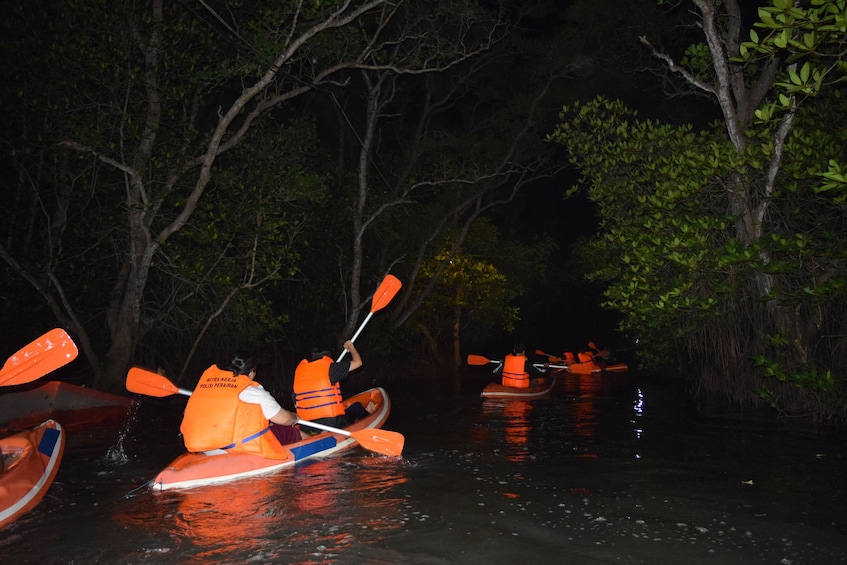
{"x":47,"y":353}
{"x":384,"y":293}
{"x":480,"y":360}
{"x":550,"y":357}
{"x":142,"y":381}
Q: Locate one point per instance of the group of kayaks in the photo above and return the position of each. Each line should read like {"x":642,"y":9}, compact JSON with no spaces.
{"x":31,"y":458}
{"x":590,"y":362}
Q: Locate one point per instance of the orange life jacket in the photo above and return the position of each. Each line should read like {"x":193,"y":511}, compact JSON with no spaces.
{"x":514,"y":371}
{"x":585,"y":357}
{"x":215,"y":418}
{"x":569,"y":358}
{"x":314,"y":395}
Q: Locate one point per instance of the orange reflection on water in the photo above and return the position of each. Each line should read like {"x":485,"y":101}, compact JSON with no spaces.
{"x":310,"y":514}
{"x":222,"y":519}
{"x":582,"y":410}
{"x":212,"y":523}
{"x":514,"y":414}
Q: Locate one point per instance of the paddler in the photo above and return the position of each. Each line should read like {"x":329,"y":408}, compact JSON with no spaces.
{"x":230,"y":410}
{"x":516,"y":370}
{"x":317,"y":388}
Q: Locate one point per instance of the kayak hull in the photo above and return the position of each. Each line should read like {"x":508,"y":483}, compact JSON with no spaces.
{"x":31,"y":461}
{"x":191,"y":470}
{"x":26,"y":406}
{"x":537,"y":388}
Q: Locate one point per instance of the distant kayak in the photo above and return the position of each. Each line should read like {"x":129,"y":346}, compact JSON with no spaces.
{"x":215,"y":467}
{"x":31,"y":460}
{"x":537,"y":387}
{"x":26,"y":406}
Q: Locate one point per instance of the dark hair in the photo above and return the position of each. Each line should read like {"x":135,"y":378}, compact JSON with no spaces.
{"x":317,"y":353}
{"x":242,"y":363}
{"x":518,"y":349}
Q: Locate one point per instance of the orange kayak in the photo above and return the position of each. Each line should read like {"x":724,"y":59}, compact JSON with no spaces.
{"x":219,"y":466}
{"x":537,"y":387}
{"x":31,"y":460}
{"x":28,"y":405}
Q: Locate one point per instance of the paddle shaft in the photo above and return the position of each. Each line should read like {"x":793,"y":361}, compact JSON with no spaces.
{"x":549,"y":366}
{"x":384,"y":293}
{"x":355,"y":335}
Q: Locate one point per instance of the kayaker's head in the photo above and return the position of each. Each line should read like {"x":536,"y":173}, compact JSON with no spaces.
{"x":318,"y":353}
{"x":243,"y":364}
{"x":518,"y":349}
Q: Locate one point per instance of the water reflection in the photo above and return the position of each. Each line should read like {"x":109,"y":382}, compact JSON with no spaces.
{"x":512,"y":417}
{"x":543,"y":481}
{"x":638,"y":413}
{"x":312,"y":513}
{"x":581,"y":414}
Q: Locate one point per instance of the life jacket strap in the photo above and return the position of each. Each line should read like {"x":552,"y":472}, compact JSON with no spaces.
{"x":248,"y":438}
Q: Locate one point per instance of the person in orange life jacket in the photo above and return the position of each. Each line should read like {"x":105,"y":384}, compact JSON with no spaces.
{"x":229,"y":410}
{"x":317,"y":389}
{"x":516,"y":370}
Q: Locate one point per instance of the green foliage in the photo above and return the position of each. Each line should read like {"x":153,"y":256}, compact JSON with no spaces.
{"x":818,"y":388}
{"x":667,"y":251}
{"x":662,"y":216}
{"x":136,"y":98}
{"x":811,"y":39}
{"x":471,"y":291}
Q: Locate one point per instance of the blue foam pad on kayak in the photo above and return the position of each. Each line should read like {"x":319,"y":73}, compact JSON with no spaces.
{"x":313,"y":447}
{"x":48,"y":441}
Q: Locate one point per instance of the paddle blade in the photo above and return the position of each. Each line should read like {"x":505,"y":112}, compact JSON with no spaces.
{"x":385,"y":292}
{"x":380,"y":441}
{"x":142,"y":381}
{"x":479,"y":360}
{"x":44,"y":355}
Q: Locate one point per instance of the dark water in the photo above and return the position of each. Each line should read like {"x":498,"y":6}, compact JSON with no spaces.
{"x":615,"y":469}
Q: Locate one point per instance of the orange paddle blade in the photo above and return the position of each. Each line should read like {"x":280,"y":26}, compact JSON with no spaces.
{"x":382,"y":296}
{"x":44,"y":355}
{"x":380,"y":441}
{"x":479,"y":360}
{"x":142,"y":381}
{"x":385,"y":292}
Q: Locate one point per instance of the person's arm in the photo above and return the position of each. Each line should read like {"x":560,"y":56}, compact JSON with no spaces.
{"x":270,"y":407}
{"x":355,"y":358}
{"x":284,"y":418}
{"x":532,"y":370}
